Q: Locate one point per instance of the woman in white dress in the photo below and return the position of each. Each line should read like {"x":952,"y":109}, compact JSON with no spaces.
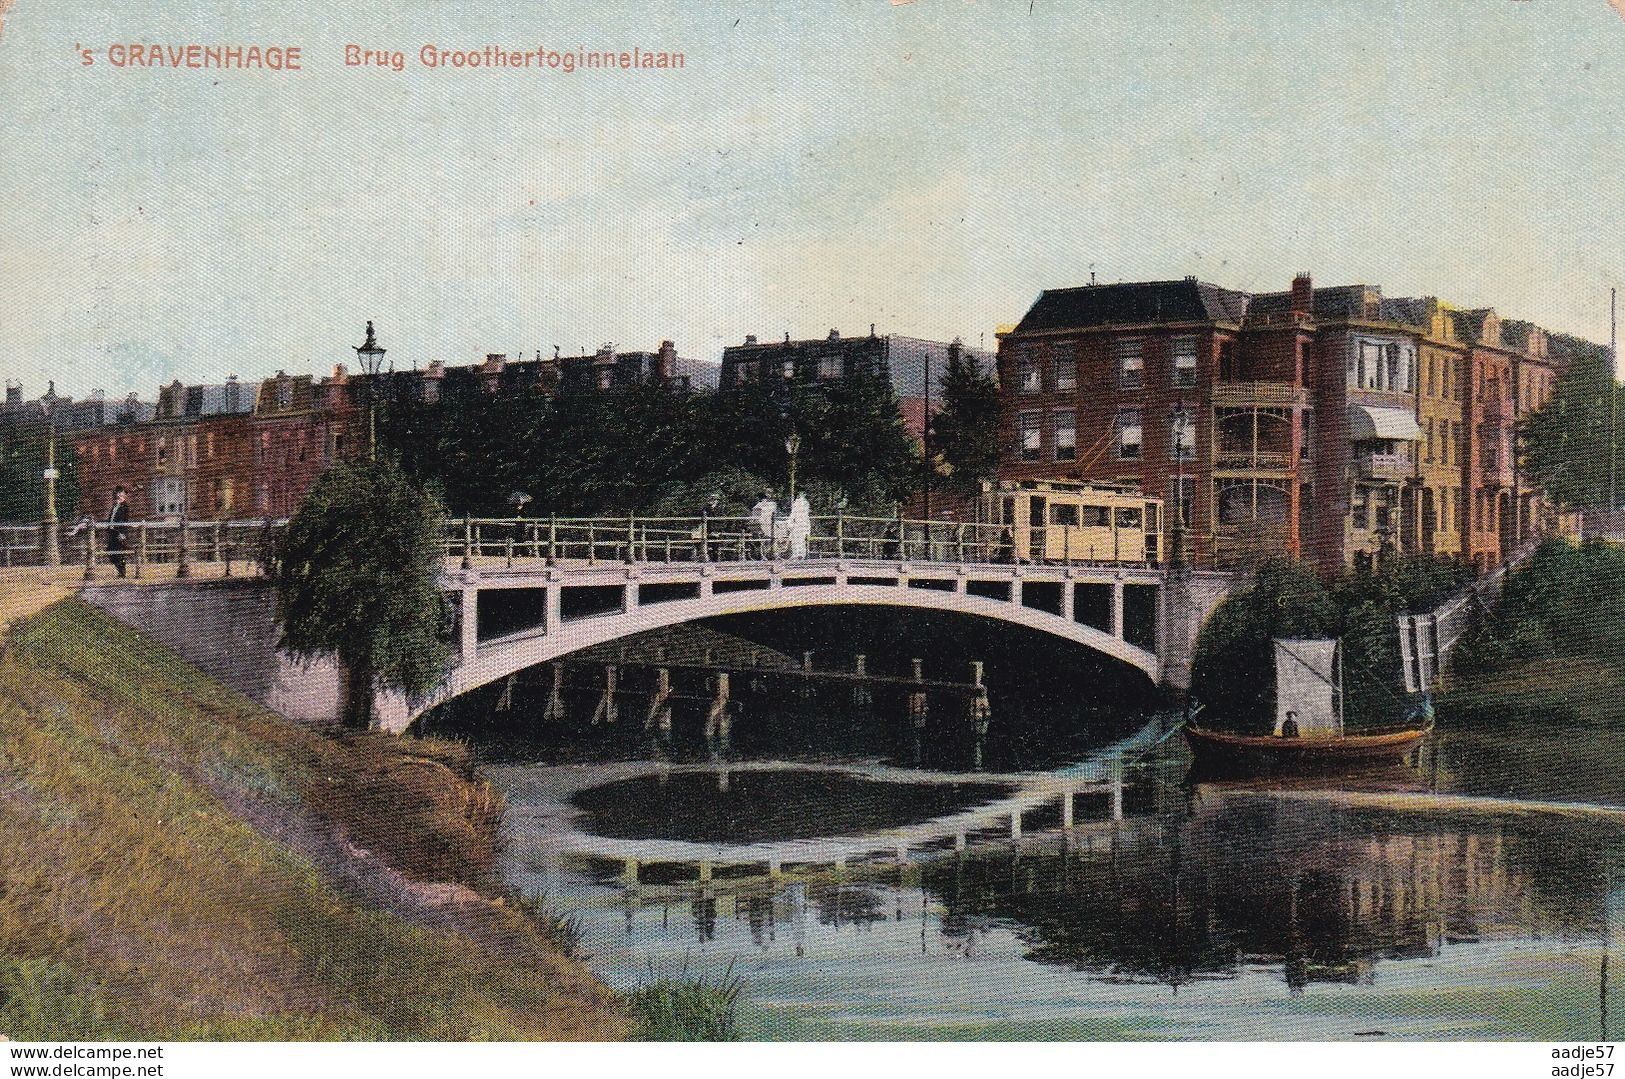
{"x":799,"y":526}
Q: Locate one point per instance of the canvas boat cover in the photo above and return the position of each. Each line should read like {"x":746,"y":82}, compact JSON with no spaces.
{"x":1306,"y":683}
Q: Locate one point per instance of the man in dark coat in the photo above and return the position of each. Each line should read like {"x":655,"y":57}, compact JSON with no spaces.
{"x":117,"y":534}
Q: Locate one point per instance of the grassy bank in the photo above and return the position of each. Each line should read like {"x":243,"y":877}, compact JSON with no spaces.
{"x":1553,"y":649}
{"x":1570,"y":691}
{"x":176,"y":862}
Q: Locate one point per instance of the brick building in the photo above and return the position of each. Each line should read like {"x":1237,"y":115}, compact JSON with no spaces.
{"x":239,"y":450}
{"x":1327,"y":423}
{"x":902,"y":360}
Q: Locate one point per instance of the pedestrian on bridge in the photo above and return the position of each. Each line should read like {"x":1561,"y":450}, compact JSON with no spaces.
{"x":799,"y":526}
{"x":762,"y":515}
{"x":118,"y":544}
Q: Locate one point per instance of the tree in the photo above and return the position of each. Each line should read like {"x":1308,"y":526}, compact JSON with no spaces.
{"x":1233,"y":669}
{"x":965,"y":434}
{"x":1566,"y":443}
{"x":357,"y":579}
{"x":22,"y":467}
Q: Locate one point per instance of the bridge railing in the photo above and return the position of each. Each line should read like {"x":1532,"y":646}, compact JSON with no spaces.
{"x":1427,"y":640}
{"x":725,"y":539}
{"x":230,"y":546}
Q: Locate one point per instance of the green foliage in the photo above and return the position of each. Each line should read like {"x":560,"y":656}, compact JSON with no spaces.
{"x":651,"y":449}
{"x":357,"y":578}
{"x":1234,"y":665}
{"x":1566,"y":443}
{"x":22,"y":461}
{"x":965,"y":434}
{"x":686,"y":1009}
{"x":1566,"y":601}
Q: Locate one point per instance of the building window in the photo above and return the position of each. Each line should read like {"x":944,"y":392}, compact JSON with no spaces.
{"x":284,"y":395}
{"x":1358,"y":508}
{"x":1028,"y":377}
{"x":1130,"y":363}
{"x":1128,"y":434}
{"x":1066,"y":435}
{"x":1065,"y":362}
{"x":744,"y":371}
{"x":788,"y":368}
{"x":163,"y":450}
{"x":1028,"y":445}
{"x":169,"y":496}
{"x":829,"y":367}
{"x":1182,"y":435}
{"x":1184,"y":361}
{"x":1427,"y":441}
{"x":606,"y":377}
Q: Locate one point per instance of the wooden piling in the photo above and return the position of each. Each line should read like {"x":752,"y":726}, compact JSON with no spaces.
{"x":918,"y":703}
{"x":607,"y":711}
{"x":554,"y":712}
{"x":716,"y":717}
{"x":659,"y":717}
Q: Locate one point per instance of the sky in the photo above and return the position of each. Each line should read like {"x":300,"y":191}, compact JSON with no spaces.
{"x":928,"y":167}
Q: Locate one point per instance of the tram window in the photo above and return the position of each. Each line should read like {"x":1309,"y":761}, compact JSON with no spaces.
{"x":1094,"y":516}
{"x":1063,"y":515}
{"x":1128,"y":518}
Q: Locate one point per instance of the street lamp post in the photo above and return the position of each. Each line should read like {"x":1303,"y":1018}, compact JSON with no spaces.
{"x":53,"y":550}
{"x":792,"y":447}
{"x":925,"y":436}
{"x":1179,"y":419}
{"x":370,"y":357}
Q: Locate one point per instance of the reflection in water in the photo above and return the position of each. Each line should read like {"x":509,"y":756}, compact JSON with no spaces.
{"x":751,"y":806}
{"x":1209,"y":912}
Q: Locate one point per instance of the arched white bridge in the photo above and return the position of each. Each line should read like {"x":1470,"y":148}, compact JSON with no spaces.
{"x":576,"y":606}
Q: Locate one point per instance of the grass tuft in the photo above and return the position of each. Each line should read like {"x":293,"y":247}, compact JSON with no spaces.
{"x":685,"y":1009}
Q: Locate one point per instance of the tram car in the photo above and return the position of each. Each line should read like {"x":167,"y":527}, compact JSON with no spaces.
{"x":1074,"y":521}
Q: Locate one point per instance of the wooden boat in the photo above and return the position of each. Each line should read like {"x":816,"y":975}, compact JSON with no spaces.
{"x":1309,"y":735}
{"x":1224,"y":752}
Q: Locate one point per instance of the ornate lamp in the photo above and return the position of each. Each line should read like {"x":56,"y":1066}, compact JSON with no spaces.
{"x":370,"y":358}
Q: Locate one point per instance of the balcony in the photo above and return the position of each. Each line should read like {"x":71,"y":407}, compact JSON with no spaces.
{"x":1258,"y":395}
{"x":1252,"y":460}
{"x":1494,"y":468}
{"x":1383,"y":466}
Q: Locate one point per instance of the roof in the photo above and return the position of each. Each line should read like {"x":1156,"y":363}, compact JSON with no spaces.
{"x":1133,"y":303}
{"x":1333,"y":302}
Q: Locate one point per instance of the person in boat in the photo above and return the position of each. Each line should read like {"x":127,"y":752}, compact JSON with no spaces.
{"x":1289,"y":725}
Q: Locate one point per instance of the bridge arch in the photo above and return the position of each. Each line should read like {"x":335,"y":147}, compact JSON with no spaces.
{"x":993,"y":592}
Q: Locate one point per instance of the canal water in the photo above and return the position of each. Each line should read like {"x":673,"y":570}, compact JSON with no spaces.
{"x":1476,"y":894}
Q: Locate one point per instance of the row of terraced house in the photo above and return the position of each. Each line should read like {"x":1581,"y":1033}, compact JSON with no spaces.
{"x":1332,"y":424}
{"x":252,"y":450}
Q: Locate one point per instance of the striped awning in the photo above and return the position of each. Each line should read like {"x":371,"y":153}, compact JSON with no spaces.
{"x":1369,"y":422}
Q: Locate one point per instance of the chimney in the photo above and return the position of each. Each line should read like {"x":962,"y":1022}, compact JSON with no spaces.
{"x":1303,"y":294}
{"x":14,"y":394}
{"x":665,"y":361}
{"x":750,"y":339}
{"x":871,"y":329}
{"x":834,"y":335}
